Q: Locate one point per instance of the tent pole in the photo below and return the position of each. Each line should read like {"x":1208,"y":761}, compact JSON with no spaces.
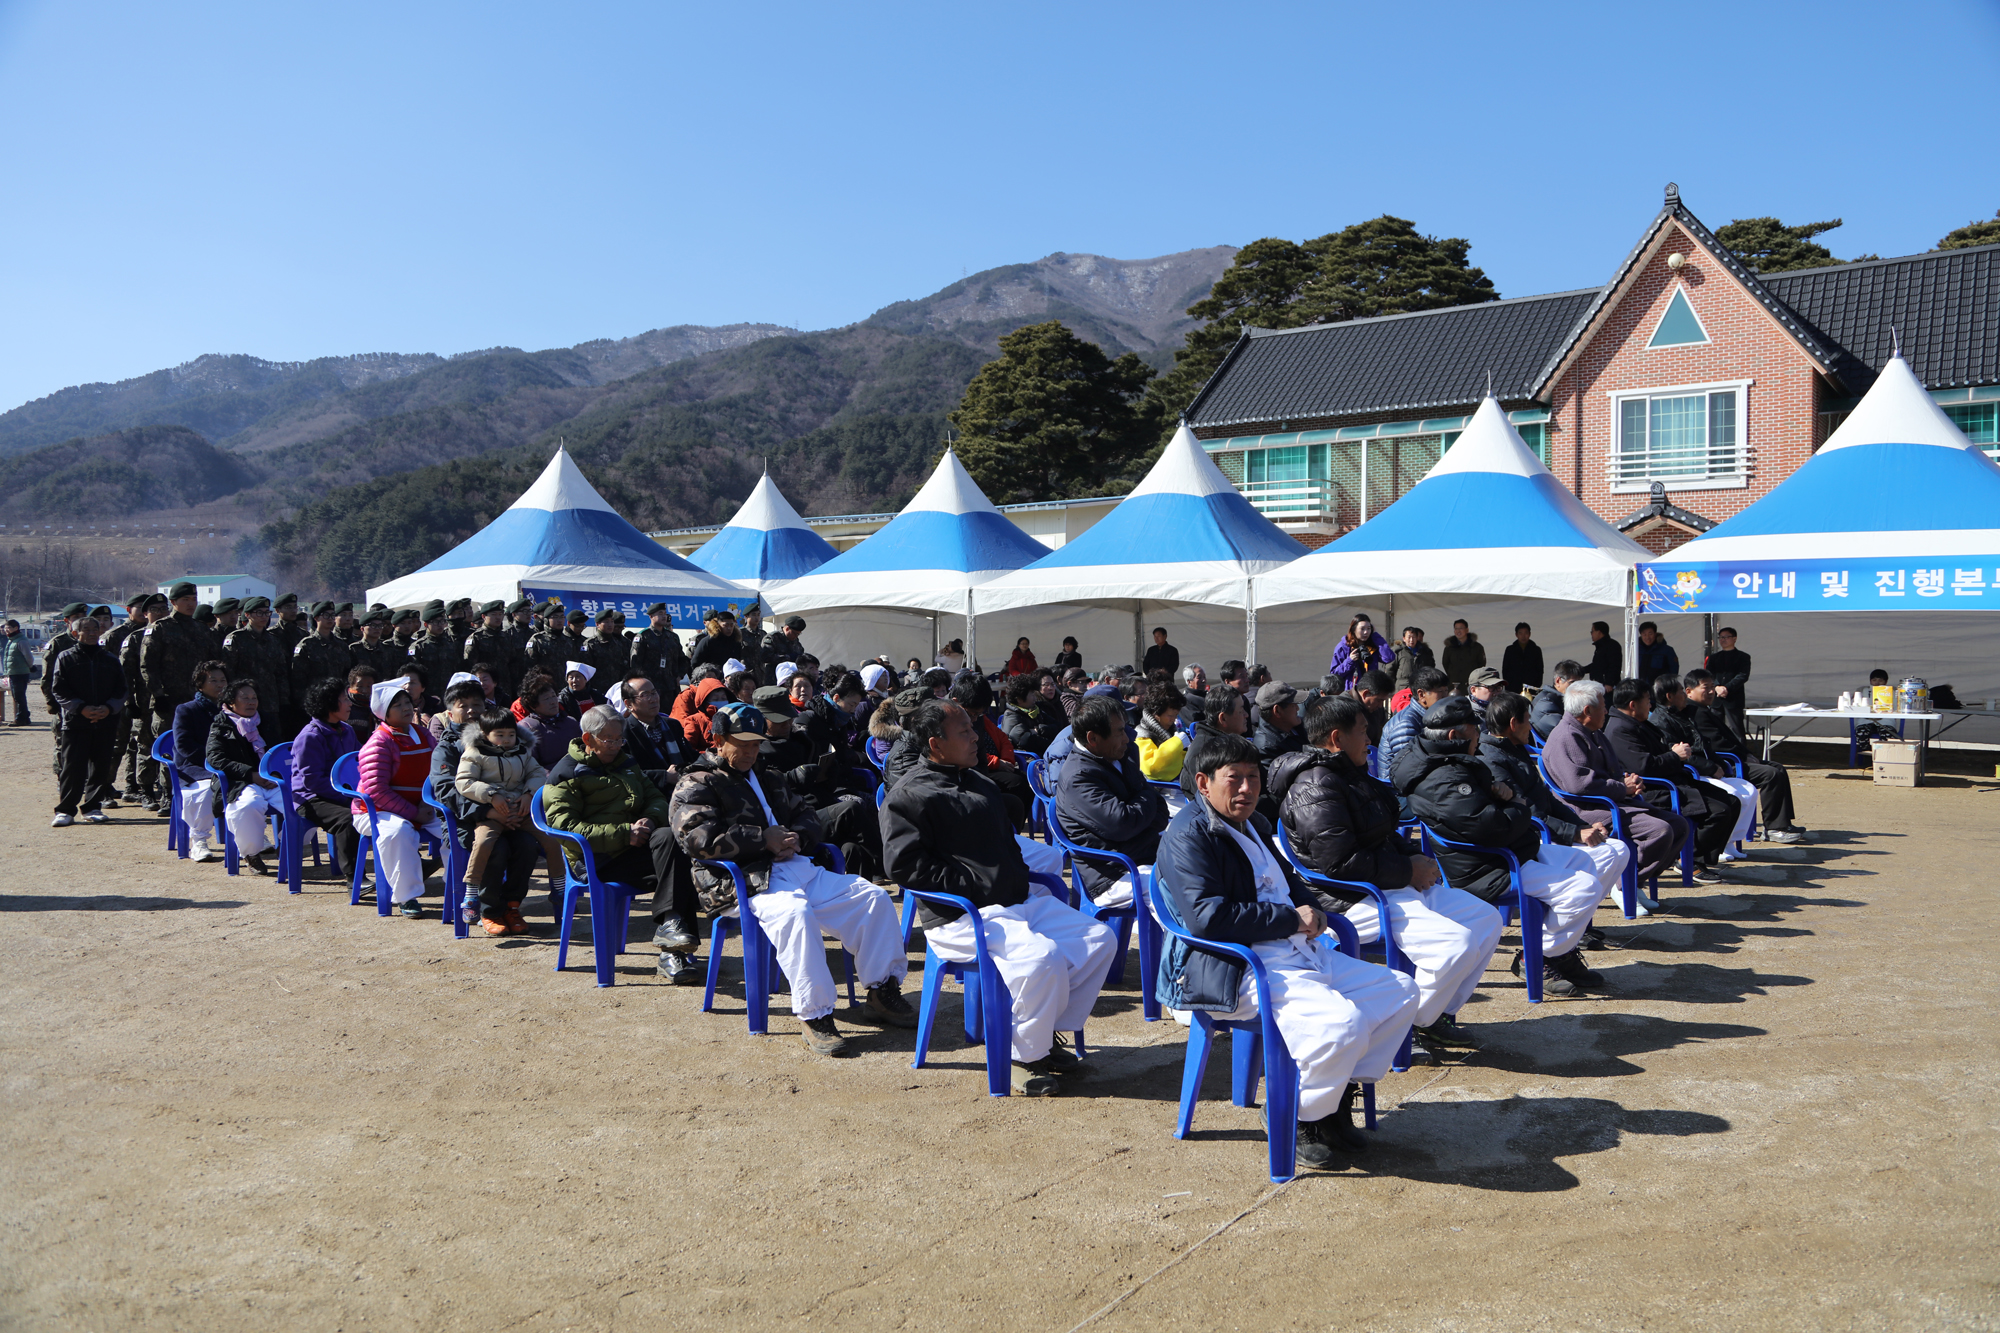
{"x":971,"y":633}
{"x":1138,"y":637}
{"x":1249,"y":621}
{"x":1389,"y":621}
{"x":1630,"y":646}
{"x":934,"y":638}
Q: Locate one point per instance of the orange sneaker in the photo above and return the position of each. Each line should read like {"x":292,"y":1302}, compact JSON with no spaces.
{"x":516,"y":923}
{"x":492,"y":927}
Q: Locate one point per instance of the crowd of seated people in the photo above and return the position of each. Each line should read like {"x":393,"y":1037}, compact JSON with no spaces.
{"x":1415,"y":803}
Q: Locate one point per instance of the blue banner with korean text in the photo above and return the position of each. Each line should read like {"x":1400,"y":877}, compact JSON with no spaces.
{"x":685,"y":610}
{"x":1959,"y":583}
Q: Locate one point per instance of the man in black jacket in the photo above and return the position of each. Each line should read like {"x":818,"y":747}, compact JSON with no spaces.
{"x":782,"y":645}
{"x":1607,"y":659}
{"x":1343,"y":824}
{"x":1457,"y":797}
{"x":88,"y":687}
{"x":1224,"y":880}
{"x":1103,"y":800}
{"x":1162,"y":656}
{"x":1773,"y":783}
{"x":1730,"y":666}
{"x":1675,"y":718}
{"x":1277,"y":721}
{"x":1521,"y":664}
{"x":1548,"y":709}
{"x":945,"y":828}
{"x":1642,"y":749}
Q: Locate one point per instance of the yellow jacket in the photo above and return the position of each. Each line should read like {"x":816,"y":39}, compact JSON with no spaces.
{"x":1161,"y":761}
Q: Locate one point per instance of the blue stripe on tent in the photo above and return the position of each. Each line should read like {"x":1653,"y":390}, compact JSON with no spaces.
{"x":1172,"y":527}
{"x":563,"y":537}
{"x":1469,"y":510}
{"x":932,"y":539}
{"x":781,"y":553}
{"x":1877,"y":488}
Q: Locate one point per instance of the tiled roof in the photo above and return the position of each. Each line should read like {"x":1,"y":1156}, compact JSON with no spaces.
{"x":1945,"y":305}
{"x":1435,"y":358}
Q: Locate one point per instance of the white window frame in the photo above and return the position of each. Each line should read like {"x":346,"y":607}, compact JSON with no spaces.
{"x":1615,"y":399}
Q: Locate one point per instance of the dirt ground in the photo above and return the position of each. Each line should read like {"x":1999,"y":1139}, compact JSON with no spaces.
{"x":228,"y":1108}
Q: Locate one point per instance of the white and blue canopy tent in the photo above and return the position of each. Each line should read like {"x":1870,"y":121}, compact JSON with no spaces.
{"x":766,"y":545}
{"x":948,"y":540}
{"x":1489,"y":535}
{"x":561,"y":539}
{"x":1181,"y":548}
{"x":1891,"y":531}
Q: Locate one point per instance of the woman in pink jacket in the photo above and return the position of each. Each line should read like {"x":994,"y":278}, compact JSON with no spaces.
{"x":395,"y":763}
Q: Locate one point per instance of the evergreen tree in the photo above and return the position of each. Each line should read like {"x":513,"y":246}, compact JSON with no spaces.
{"x":1052,"y":417}
{"x":1384,"y":266}
{"x":1767,"y":245}
{"x":1972,"y":233}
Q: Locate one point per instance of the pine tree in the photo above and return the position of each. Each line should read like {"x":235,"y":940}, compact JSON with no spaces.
{"x":1769,"y":246}
{"x":1972,"y":233}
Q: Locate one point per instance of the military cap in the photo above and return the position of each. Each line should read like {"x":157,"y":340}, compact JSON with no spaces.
{"x":462,"y":604}
{"x":289,"y":599}
{"x":407,"y":613}
{"x":228,"y":606}
{"x":772,"y":701}
{"x":433,"y":609}
{"x":203,"y":611}
{"x":578,"y":618}
{"x":519,"y":605}
{"x":318,"y":609}
{"x":138,"y":599}
{"x":795,"y":622}
{"x":344,"y":609}
{"x":180,"y":590}
{"x":75,"y":609}
{"x":657,"y":609}
{"x":157,"y":599}
{"x":1454,"y":710}
{"x":488,"y":608}
{"x":378,"y":606}
{"x":377,"y":617}
{"x":256,"y":604}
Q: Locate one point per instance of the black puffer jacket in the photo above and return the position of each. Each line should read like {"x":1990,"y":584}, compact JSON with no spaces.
{"x":1452,"y":793}
{"x":1513,"y":765}
{"x":1342,"y":823}
{"x":716,"y":817}
{"x":947,"y":829}
{"x":1102,"y":804}
{"x":1679,"y":728}
{"x":1546,"y":711}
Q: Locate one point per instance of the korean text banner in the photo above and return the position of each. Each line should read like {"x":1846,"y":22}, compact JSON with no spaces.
{"x":1964,"y":583}
{"x":685,"y":610}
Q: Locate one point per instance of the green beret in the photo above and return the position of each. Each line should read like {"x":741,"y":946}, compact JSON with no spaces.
{"x":180,"y":590}
{"x":488,"y":608}
{"x":75,"y":609}
{"x":256,"y":604}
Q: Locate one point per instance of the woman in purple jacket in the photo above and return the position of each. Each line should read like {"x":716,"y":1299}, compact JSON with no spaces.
{"x":1361,"y":651}
{"x":323,"y":739}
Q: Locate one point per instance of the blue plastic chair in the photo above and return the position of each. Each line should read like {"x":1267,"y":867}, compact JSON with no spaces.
{"x":1246,"y":1039}
{"x":1532,"y":910}
{"x":177,"y":831}
{"x":760,"y":957}
{"x":293,"y":828}
{"x":230,"y":861}
{"x":1629,"y":881}
{"x":989,"y":1005}
{"x":1687,"y":847}
{"x":1392,"y":956}
{"x":610,"y":903}
{"x":1121,"y":919}
{"x":455,"y":860}
{"x":346,"y":771}
{"x":1039,"y":820}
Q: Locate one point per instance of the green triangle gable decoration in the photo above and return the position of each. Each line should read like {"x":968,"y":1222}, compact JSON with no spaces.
{"x":1678,"y":326}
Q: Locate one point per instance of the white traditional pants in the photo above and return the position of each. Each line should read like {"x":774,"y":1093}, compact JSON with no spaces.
{"x":198,"y":808}
{"x":803,"y":902}
{"x":247,"y":813}
{"x":1446,"y":932}
{"x":1043,"y":858}
{"x":1342,"y":1019}
{"x":398,"y":848}
{"x":1745,"y":792}
{"x":1120,"y":893}
{"x":1052,"y":957}
{"x":1572,"y":881}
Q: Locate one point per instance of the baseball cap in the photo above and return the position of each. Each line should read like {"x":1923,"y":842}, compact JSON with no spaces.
{"x":1274,"y":693}
{"x":737,"y":720}
{"x":1454,"y":710}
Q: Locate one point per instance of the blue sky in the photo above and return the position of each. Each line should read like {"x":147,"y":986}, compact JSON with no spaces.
{"x":295,"y":181}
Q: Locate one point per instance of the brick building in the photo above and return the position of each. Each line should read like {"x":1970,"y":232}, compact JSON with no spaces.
{"x":1669,"y":399}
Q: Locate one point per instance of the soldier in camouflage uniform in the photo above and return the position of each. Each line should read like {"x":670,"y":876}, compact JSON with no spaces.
{"x":142,"y":771}
{"x":114,"y":643}
{"x":169,"y":655}
{"x":72,"y":613}
{"x":225,"y":625}
{"x":254,"y":653}
{"x":610,"y":652}
{"x":750,"y":629}
{"x":657,"y":653}
{"x":435,"y":651}
{"x":493,"y":644}
{"x":460,"y":612}
{"x":549,"y":649}
{"x":521,"y":627}
{"x":375,"y":650}
{"x":290,"y":626}
{"x":345,"y":627}
{"x":320,"y":654}
{"x":404,"y":625}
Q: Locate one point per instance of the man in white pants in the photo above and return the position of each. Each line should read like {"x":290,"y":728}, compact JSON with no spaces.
{"x":1341,"y":1018}
{"x":192,"y":721}
{"x":945,"y":828}
{"x":236,"y":746}
{"x":728,"y":807}
{"x":1342,"y":823}
{"x":1458,"y":796}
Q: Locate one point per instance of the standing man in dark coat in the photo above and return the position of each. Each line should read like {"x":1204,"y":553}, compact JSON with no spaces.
{"x":1607,"y":659}
{"x":657,"y":653}
{"x":253,"y":653}
{"x":437,"y":651}
{"x":1162,"y":656}
{"x":142,"y":771}
{"x":114,"y":643}
{"x":610,"y":652}
{"x":89,"y":689}
{"x":169,"y":654}
{"x":493,"y":643}
{"x":460,"y":613}
{"x":1521,"y":664}
{"x":1730,"y":666}
{"x":60,"y":644}
{"x":547,"y":651}
{"x":319,"y":655}
{"x":290,"y":626}
{"x":782,"y":645}
{"x":520,"y":629}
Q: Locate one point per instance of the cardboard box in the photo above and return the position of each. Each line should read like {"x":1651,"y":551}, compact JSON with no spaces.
{"x":1898,"y":764}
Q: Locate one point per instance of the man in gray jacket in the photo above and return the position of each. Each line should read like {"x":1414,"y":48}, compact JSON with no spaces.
{"x":1580,"y":762}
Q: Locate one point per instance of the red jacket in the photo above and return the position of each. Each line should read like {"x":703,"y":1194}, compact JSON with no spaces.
{"x":694,"y":706}
{"x":1021,"y":663}
{"x":995,"y":740}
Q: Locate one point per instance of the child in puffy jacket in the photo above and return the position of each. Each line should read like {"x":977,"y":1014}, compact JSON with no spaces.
{"x":498,"y":775}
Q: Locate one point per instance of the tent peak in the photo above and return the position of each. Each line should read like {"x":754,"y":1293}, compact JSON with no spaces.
{"x":1489,"y":444}
{"x":1897,"y":409}
{"x":1184,"y":468}
{"x":561,"y":486}
{"x":950,"y":490}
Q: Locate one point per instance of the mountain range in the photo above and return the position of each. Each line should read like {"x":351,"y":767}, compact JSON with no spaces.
{"x":360,"y":468}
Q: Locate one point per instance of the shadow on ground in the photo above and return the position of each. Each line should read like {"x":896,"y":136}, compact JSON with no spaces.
{"x":106,"y":902}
